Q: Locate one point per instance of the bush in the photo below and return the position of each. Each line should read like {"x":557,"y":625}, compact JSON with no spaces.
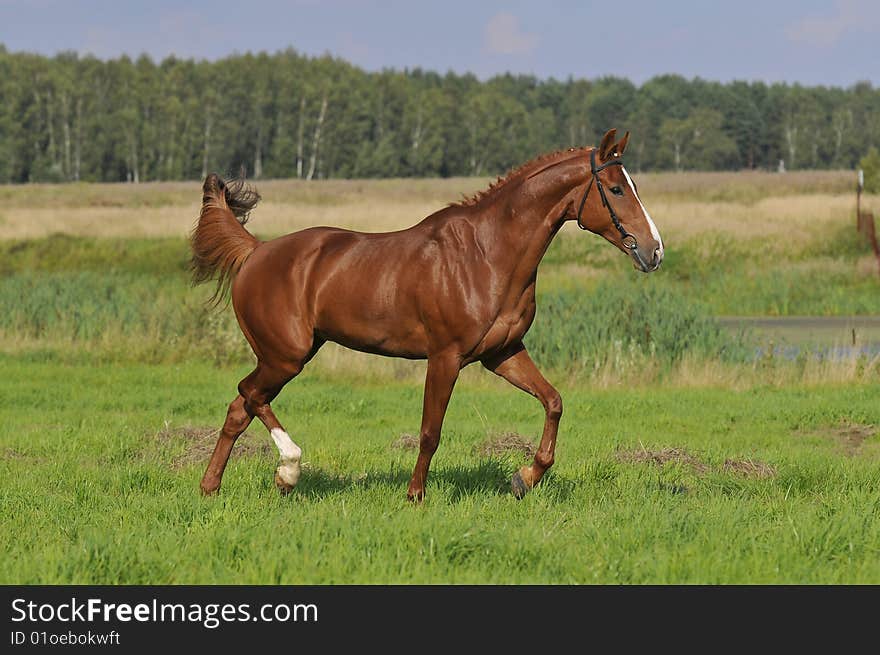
{"x":870,"y":163}
{"x":138,"y":316}
{"x":626,"y":323}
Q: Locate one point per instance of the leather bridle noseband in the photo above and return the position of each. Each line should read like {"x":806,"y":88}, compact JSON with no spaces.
{"x":628,"y":240}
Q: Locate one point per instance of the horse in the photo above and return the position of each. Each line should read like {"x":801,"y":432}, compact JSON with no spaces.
{"x":456,"y":288}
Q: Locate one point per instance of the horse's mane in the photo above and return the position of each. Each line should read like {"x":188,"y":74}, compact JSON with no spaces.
{"x":530,"y":166}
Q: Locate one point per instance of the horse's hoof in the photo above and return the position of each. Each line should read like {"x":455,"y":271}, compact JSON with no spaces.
{"x":283,"y":487}
{"x":415,"y":497}
{"x":518,"y":486}
{"x":209,"y":489}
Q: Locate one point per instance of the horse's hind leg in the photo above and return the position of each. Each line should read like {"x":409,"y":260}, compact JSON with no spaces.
{"x":237,"y":420}
{"x":258,"y":390}
{"x":255,"y":393}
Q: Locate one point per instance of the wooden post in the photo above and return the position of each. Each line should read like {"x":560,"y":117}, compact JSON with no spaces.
{"x":865,"y":220}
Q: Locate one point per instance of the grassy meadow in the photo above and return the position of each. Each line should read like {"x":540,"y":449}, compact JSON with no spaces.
{"x":689,"y":452}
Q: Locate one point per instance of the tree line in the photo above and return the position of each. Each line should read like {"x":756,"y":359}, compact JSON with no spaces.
{"x":283,"y":115}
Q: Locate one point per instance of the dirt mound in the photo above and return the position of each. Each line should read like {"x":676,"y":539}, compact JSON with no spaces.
{"x":406,"y":441}
{"x":751,"y":468}
{"x":506,"y":443}
{"x":848,"y":436}
{"x":199,"y":444}
{"x":662,"y":456}
{"x":13,"y":454}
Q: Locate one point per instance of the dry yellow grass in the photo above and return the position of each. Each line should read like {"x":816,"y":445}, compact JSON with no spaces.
{"x":738,"y":205}
{"x":269,"y":219}
{"x":781,"y":217}
{"x":170,"y":209}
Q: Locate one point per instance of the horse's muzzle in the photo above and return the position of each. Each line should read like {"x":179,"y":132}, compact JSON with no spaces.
{"x":646,"y":262}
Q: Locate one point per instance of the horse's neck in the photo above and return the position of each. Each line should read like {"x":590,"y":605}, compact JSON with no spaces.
{"x":516,"y":239}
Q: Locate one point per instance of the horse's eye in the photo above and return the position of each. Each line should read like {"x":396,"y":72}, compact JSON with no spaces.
{"x":617,"y":191}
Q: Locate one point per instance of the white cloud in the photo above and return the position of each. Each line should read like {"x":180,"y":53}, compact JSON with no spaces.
{"x":826,"y":31}
{"x":504,"y":36}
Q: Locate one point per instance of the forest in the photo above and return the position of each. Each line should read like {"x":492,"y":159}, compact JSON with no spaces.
{"x":288,"y":115}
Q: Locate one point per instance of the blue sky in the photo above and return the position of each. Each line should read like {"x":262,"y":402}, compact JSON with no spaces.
{"x":831,"y":43}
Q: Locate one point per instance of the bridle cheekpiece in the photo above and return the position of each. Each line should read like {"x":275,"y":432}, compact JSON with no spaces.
{"x":628,"y":240}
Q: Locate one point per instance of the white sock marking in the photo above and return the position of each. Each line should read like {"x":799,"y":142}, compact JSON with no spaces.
{"x":291,"y":454}
{"x":654,"y":232}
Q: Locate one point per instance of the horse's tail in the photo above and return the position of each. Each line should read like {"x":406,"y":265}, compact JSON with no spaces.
{"x":219,"y":242}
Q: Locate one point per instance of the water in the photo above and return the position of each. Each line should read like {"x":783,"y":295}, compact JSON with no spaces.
{"x":834,"y":337}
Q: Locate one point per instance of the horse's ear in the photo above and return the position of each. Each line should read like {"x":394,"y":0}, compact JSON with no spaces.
{"x":621,"y":145}
{"x":607,"y":143}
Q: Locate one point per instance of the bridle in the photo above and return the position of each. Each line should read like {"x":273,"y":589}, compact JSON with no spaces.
{"x":628,"y":240}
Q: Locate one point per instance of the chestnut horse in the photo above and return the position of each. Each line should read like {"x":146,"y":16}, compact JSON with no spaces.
{"x":457,"y":288}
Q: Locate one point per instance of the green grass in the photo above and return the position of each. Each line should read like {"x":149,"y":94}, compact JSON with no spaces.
{"x":746,"y":277}
{"x":90,"y":496}
{"x":162,"y":258}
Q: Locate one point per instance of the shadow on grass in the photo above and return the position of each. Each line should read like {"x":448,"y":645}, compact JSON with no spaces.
{"x":487,"y":477}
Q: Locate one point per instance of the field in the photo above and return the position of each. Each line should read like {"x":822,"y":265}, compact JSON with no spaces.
{"x":691,"y":450}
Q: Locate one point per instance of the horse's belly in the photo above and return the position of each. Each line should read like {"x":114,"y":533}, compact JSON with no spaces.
{"x":386,"y":349}
{"x":373,"y":330}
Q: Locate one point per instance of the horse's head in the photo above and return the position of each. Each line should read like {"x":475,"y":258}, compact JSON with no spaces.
{"x":610,"y":206}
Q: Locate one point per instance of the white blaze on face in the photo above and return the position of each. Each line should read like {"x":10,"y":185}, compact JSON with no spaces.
{"x":654,"y":232}
{"x":291,"y":454}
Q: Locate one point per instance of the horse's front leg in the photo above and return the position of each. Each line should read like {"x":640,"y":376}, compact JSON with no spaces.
{"x":515,"y":366}
{"x":439,"y":382}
